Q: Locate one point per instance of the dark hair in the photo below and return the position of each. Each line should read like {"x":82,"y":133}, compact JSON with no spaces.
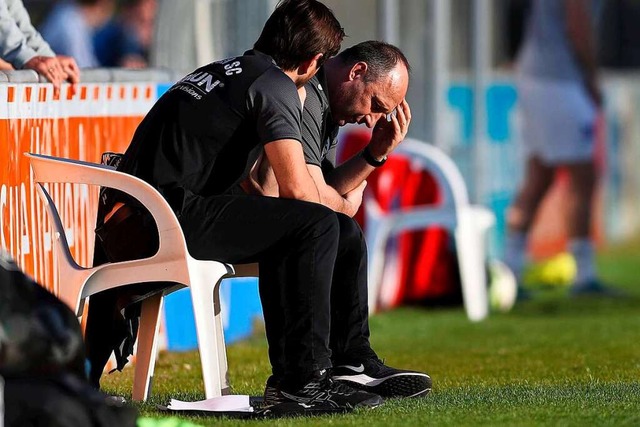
{"x":297,"y":30}
{"x":380,"y":57}
{"x":87,"y":2}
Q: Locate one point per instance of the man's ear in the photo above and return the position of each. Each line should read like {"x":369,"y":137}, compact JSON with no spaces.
{"x":358,"y":71}
{"x":310,"y":65}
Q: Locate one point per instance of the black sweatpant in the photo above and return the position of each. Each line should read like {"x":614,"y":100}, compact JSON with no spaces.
{"x":301,"y":238}
{"x":349,"y":340}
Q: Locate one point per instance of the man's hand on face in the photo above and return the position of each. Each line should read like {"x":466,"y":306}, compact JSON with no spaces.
{"x":390,"y":130}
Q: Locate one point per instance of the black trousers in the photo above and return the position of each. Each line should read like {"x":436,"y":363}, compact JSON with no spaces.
{"x":300,"y":239}
{"x":349,"y":335}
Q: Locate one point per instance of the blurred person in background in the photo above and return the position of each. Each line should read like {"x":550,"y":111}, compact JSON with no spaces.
{"x":559,"y":94}
{"x":70,"y":27}
{"x":22,"y":47}
{"x":125,"y":40}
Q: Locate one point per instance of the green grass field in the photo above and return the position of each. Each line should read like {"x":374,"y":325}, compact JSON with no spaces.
{"x":552,"y":360}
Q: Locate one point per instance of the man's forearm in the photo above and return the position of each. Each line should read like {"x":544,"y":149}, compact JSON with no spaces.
{"x":286,"y":159}
{"x":349,"y":175}
{"x":330,"y":198}
{"x":13,"y":45}
{"x":32,"y":36}
{"x":261,"y":180}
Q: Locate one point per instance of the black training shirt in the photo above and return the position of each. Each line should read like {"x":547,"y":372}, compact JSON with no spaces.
{"x":202,"y":136}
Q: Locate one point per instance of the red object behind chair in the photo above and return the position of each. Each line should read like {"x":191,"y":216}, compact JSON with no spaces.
{"x":427,"y":267}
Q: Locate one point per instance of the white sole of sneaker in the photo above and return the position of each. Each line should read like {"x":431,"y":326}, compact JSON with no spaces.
{"x":396,"y":385}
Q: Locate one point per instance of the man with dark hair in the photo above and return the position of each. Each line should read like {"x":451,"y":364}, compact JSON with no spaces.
{"x":365,"y":84}
{"x":199,"y":142}
{"x":286,"y":49}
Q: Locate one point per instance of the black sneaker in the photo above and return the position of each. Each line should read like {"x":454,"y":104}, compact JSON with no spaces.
{"x":374,"y":376}
{"x":319,"y":395}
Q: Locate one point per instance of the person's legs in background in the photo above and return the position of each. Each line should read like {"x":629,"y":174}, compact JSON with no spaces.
{"x":538,"y":178}
{"x":540,"y":144}
{"x":579,"y":214}
{"x":559,"y":132}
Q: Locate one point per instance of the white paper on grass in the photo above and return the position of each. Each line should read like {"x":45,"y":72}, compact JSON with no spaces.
{"x":231,"y":403}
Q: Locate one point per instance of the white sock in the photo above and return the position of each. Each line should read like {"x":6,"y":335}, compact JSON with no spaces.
{"x":583,"y":253}
{"x":515,"y":253}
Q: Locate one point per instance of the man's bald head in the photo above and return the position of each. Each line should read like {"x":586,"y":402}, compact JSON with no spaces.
{"x":366,"y":81}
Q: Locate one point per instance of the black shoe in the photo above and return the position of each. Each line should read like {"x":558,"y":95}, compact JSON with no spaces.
{"x":374,"y":376}
{"x":319,"y":395}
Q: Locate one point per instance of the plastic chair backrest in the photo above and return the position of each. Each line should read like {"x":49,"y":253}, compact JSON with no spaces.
{"x":172,"y":254}
{"x":441,"y":167}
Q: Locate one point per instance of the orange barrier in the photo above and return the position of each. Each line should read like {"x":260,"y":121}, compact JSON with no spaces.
{"x":80,"y":123}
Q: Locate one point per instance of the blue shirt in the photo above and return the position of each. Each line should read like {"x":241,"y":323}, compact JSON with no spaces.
{"x":113,"y":42}
{"x":68,"y":34}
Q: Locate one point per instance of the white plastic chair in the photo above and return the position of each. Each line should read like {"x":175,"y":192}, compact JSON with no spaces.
{"x":172,"y":263}
{"x":469,"y":224}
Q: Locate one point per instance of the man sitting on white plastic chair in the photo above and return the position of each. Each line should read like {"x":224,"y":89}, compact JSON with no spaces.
{"x":199,"y":142}
{"x":363,"y":84}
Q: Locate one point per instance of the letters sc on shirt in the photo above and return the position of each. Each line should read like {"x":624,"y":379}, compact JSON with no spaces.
{"x":233,"y":68}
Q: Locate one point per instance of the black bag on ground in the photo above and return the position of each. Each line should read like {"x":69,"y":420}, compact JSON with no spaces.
{"x":42,"y":360}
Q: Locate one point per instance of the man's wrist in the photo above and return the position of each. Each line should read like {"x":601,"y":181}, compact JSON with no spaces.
{"x":370,"y":159}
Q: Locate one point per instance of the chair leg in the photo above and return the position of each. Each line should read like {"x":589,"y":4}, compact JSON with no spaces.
{"x":147,"y":347}
{"x":223,"y":366}
{"x":471,"y":259}
{"x":202,"y":288}
{"x":377,"y":232}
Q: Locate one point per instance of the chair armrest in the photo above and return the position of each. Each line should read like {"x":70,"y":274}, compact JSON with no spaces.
{"x":60,"y":170}
{"x":440,"y":165}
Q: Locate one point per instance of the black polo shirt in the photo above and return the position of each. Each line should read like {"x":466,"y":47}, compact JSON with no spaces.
{"x":319,"y":133}
{"x":203,"y":135}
